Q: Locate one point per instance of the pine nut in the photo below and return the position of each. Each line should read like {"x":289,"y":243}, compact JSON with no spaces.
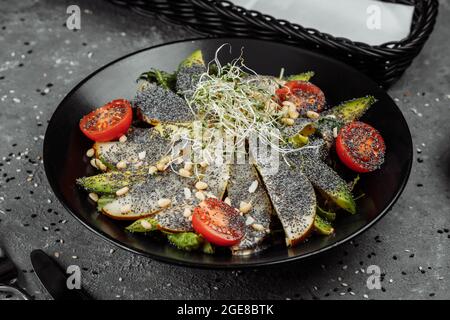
{"x":125,"y":208}
{"x":200,"y":185}
{"x":123,"y":138}
{"x":312,"y":114}
{"x":187,"y":212}
{"x":152,"y":170}
{"x":94,"y":163}
{"x":164,"y":202}
{"x":146,"y":225}
{"x":288,"y":121}
{"x":294,"y":114}
{"x":122,"y":191}
{"x":188,"y":166}
{"x":100,"y":165}
{"x":161,"y":166}
{"x":227,"y":201}
{"x":200,"y":195}
{"x":187,"y":193}
{"x":90,"y":153}
{"x":93,"y":196}
{"x":121,"y":165}
{"x":335,"y":132}
{"x":249,"y":220}
{"x":184,"y":173}
{"x":245,"y":207}
{"x":204,"y":164}
{"x":253,"y":186}
{"x":258,"y":227}
{"x":141,"y":155}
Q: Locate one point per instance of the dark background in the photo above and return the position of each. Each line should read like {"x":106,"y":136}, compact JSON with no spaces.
{"x":41,"y":60}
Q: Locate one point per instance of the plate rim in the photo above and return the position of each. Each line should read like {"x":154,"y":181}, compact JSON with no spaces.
{"x":219,"y":266}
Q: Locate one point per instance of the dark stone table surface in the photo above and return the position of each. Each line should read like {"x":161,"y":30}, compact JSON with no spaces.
{"x":41,"y":60}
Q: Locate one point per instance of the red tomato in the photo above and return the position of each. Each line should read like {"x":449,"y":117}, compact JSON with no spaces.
{"x":108,"y":122}
{"x":360,"y":147}
{"x":218,"y":222}
{"x":305,"y":95}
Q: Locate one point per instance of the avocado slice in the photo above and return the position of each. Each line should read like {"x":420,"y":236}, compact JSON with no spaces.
{"x":328,"y":215}
{"x":298,"y":134}
{"x":137,"y":226}
{"x":326,"y":180}
{"x":351,"y":110}
{"x":164,"y":79}
{"x":104,"y":200}
{"x":187,"y":241}
{"x":305,"y":76}
{"x":195,"y":58}
{"x":108,"y":182}
{"x":322,"y":226}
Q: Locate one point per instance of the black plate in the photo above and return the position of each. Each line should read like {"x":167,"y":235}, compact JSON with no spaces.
{"x":65,"y":146}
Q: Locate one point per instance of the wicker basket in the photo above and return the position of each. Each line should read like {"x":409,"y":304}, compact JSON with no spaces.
{"x":384,"y":63}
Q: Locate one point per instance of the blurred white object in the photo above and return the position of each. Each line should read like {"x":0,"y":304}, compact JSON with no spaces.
{"x":370,"y":21}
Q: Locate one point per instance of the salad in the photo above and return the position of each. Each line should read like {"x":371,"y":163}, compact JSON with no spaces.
{"x":216,"y":155}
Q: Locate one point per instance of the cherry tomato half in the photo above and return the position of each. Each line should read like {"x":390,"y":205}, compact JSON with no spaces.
{"x":108,"y":122}
{"x":360,"y":147}
{"x":218,"y":222}
{"x":305,"y":95}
